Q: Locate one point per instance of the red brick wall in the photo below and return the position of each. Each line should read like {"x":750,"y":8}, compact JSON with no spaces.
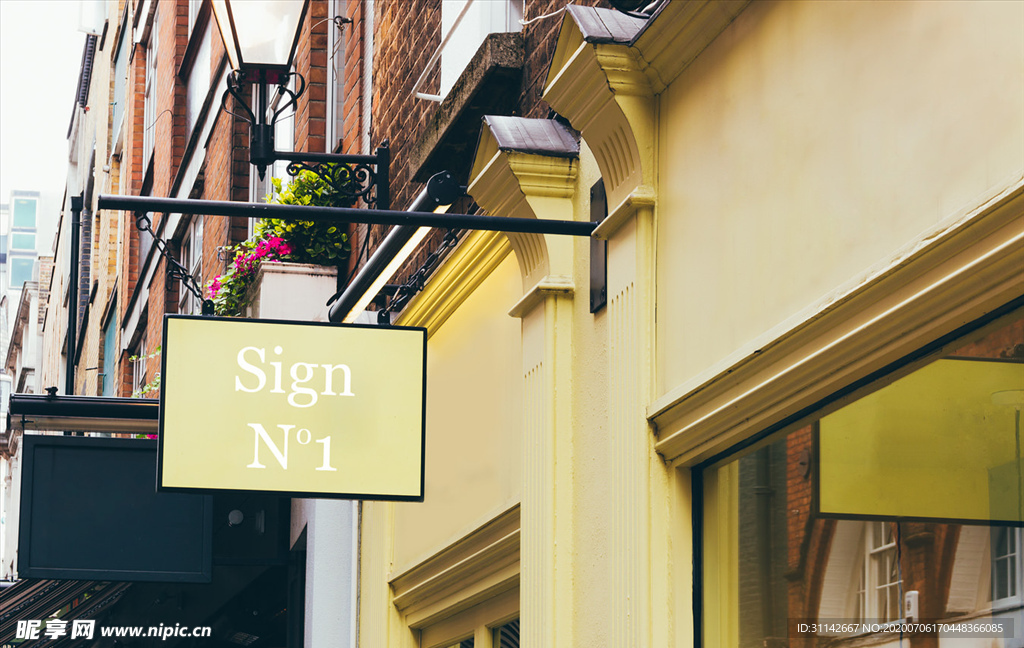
{"x":406,"y":34}
{"x":311,"y":62}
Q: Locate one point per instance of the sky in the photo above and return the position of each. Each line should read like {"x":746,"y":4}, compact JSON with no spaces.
{"x":40,"y":59}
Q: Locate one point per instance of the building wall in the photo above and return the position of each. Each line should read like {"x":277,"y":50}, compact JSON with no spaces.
{"x":785,"y":181}
{"x":781,"y":198}
{"x":862,"y":122}
{"x":474,"y":471}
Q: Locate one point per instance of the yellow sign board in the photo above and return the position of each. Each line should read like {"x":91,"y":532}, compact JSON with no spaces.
{"x":942,"y":443}
{"x":303,"y":409}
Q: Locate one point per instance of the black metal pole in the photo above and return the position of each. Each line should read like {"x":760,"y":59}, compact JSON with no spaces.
{"x":329,"y":158}
{"x":383,"y":163}
{"x":346,"y":215}
{"x":76,"y":224}
{"x":441,"y":189}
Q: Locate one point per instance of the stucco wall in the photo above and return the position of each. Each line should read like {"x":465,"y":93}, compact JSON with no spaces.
{"x":808,"y":146}
{"x":474,"y":421}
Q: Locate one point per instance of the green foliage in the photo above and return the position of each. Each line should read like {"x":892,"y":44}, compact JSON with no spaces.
{"x":152,"y":386}
{"x":284,"y":240}
{"x":311,"y":242}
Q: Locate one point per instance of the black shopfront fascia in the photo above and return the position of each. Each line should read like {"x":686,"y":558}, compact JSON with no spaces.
{"x":90,"y":509}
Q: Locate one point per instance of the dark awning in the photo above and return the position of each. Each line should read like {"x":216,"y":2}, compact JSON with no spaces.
{"x":36,"y":412}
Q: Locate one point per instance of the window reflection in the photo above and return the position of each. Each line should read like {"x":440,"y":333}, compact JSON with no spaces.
{"x":774,"y":556}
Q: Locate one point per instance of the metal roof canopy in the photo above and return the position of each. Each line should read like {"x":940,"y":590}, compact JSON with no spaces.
{"x":37,"y":412}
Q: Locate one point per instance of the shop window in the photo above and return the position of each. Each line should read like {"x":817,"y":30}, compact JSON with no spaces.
{"x":507,"y":636}
{"x":504,"y":636}
{"x":913,"y":483}
{"x":493,"y":623}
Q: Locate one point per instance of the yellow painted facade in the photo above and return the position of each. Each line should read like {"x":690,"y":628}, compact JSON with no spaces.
{"x":799,"y":195}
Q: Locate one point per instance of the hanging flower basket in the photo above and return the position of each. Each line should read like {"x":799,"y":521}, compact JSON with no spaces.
{"x":276,"y":240}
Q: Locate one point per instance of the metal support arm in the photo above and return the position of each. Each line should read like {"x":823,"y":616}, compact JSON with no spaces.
{"x":346,"y":215}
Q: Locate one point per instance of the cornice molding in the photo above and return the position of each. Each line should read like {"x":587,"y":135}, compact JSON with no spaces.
{"x":602,"y":92}
{"x":540,"y":175}
{"x":673,"y":40}
{"x":643,"y":197}
{"x":947,"y":279}
{"x":459,"y":275}
{"x":551,"y":286}
{"x":478,"y":566}
{"x":526,"y":185}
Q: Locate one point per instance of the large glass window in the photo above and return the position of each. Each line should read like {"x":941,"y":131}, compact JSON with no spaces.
{"x":23,"y":241}
{"x":21,"y":271}
{"x":902,"y":500}
{"x":24,"y":213}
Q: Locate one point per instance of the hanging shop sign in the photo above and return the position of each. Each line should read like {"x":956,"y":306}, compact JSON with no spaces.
{"x":304,"y":409}
{"x":89,"y":512}
{"x":942,"y":443}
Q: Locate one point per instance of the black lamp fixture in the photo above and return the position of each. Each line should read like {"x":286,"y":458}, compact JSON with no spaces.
{"x":260,"y":39}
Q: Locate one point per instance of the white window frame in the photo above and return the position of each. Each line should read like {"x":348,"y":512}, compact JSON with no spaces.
{"x":880,"y":553}
{"x":465,"y":24}
{"x":139,"y":366}
{"x":193,"y":13}
{"x":192,"y":259}
{"x":1013,"y":569}
{"x":149,"y":110}
{"x":336,"y":74}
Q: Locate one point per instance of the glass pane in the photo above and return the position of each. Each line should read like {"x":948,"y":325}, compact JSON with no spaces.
{"x":21,"y":271}
{"x":23,"y":241}
{"x":266,"y":30}
{"x":772,"y":564}
{"x":24,"y":213}
{"x":109,"y":357}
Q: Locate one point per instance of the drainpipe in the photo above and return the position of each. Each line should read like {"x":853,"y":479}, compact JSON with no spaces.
{"x":76,"y":224}
{"x":441,"y":190}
